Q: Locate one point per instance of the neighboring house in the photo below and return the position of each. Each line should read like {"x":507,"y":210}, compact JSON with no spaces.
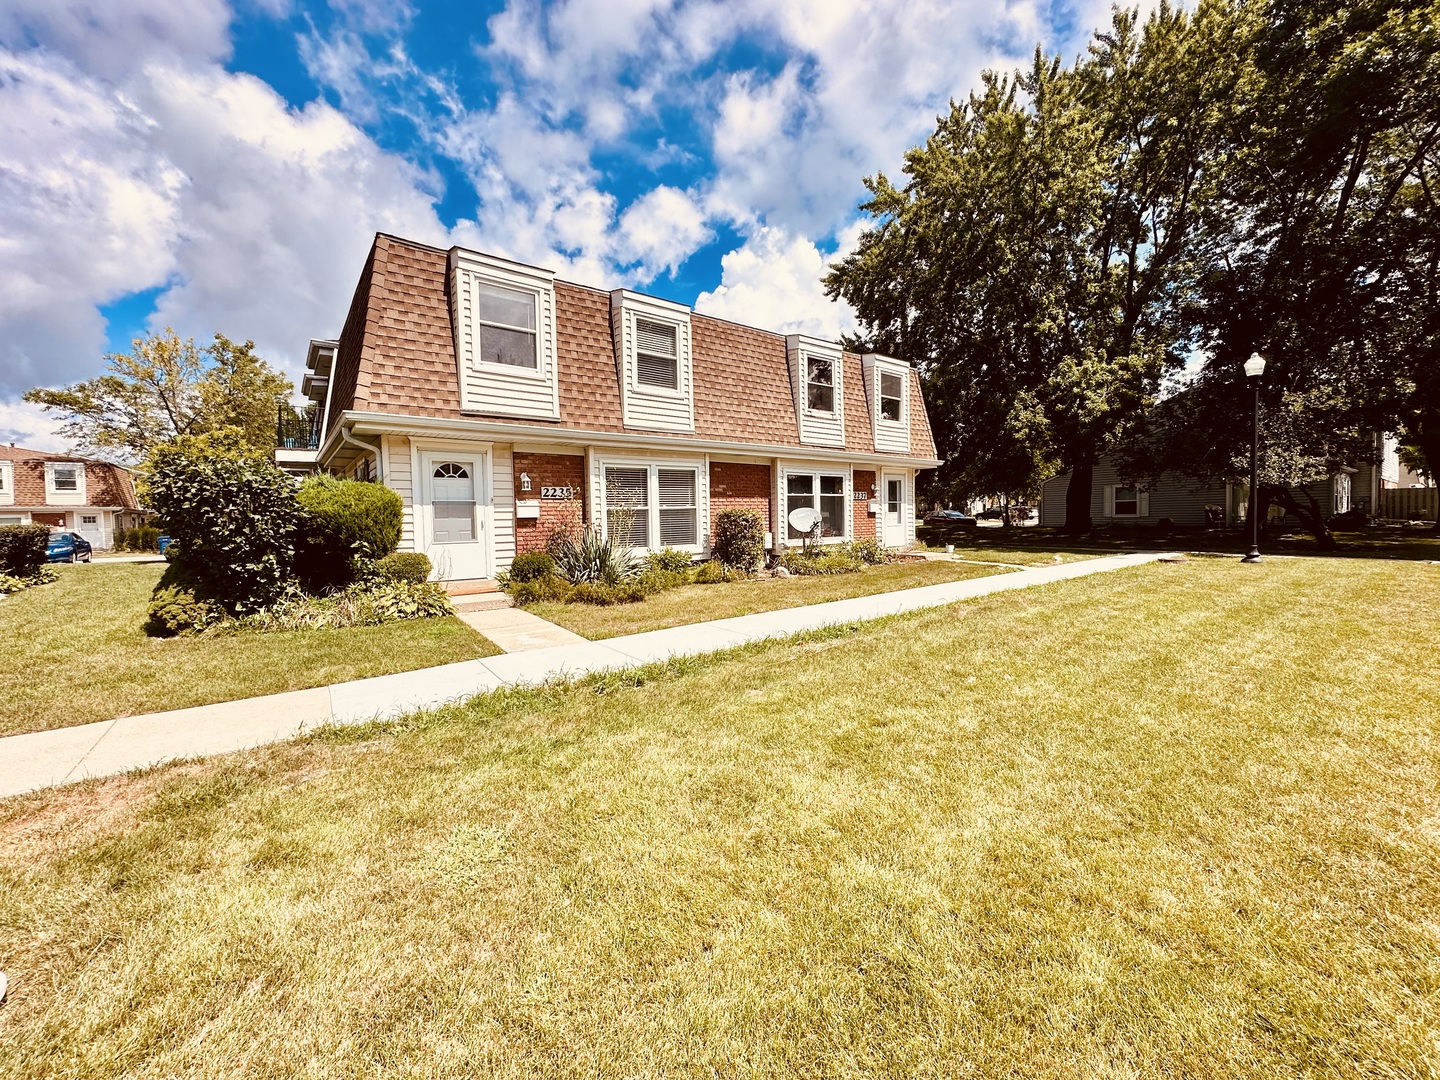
{"x":500,"y":402}
{"x":92,"y":498}
{"x":1183,"y":500}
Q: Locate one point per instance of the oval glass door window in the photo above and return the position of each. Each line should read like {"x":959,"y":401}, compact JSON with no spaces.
{"x":454,"y":500}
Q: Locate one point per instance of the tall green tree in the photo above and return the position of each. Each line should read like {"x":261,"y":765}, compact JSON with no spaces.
{"x":166,"y":387}
{"x":1033,"y":262}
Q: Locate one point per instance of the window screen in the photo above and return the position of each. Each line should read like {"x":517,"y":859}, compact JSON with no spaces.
{"x":890,"y":389}
{"x":507,"y":326}
{"x":820,"y":384}
{"x":657,"y":361}
{"x":677,"y":507}
{"x":832,"y":506}
{"x":627,"y":510}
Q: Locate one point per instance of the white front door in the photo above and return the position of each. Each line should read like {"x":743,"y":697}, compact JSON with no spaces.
{"x":92,"y":527}
{"x":454,"y":514}
{"x":892,"y":510}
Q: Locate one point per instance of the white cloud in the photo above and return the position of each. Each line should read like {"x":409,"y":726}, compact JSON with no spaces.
{"x":660,"y":230}
{"x":773,"y":282}
{"x":27,"y":425}
{"x":106,"y":38}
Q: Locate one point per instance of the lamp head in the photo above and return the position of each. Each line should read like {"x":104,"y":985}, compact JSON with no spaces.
{"x":1255,"y":366}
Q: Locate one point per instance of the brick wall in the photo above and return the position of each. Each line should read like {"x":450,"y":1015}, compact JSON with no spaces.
{"x":863,"y":522}
{"x":547,"y":470}
{"x":745,"y":486}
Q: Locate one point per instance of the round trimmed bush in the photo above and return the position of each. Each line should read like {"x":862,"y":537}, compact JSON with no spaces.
{"x":532,"y":566}
{"x":739,"y":538}
{"x":408,"y":566}
{"x":342,"y":521}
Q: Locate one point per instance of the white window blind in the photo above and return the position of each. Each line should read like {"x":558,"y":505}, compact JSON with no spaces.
{"x":678,"y":523}
{"x":890,"y":390}
{"x":627,"y":505}
{"x":506,"y":320}
{"x":657,"y":357}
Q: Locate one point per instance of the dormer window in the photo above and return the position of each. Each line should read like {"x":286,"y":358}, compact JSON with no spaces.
{"x":65,"y":478}
{"x":506,"y":319}
{"x":891,"y":396}
{"x":820,"y":384}
{"x":657,"y":354}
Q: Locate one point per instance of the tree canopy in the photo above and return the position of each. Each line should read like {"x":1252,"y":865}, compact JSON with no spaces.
{"x":167,"y":387}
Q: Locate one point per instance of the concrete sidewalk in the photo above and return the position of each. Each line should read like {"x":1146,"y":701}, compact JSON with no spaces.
{"x":45,"y":758}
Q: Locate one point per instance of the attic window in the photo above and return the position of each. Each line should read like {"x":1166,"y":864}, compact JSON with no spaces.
{"x":506,"y":320}
{"x":64,"y":478}
{"x":657,"y":358}
{"x":820,"y":384}
{"x":890,"y":400}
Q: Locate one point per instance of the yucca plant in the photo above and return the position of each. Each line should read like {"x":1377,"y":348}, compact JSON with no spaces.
{"x":593,"y":557}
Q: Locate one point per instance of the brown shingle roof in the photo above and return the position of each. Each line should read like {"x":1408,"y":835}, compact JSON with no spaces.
{"x":106,"y":484}
{"x":397,"y":354}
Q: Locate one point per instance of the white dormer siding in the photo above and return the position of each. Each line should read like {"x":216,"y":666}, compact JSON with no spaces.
{"x":887,"y":386}
{"x":64,"y":483}
{"x":816,"y":375}
{"x":7,"y":484}
{"x":654,"y":362}
{"x":504,"y":318}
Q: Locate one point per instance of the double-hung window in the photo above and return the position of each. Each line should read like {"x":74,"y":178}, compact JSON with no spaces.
{"x":657,"y":354}
{"x":653,"y":506}
{"x":4,"y":477}
{"x":824,"y":492}
{"x":506,"y":326}
{"x":891,"y":389}
{"x":65,"y":478}
{"x":820,"y":384}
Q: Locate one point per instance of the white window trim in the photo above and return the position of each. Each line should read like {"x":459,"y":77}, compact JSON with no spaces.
{"x":492,"y":388}
{"x":77,"y":491}
{"x":1142,"y":502}
{"x":7,"y":484}
{"x":682,"y":330}
{"x":847,"y":493}
{"x":880,"y":372}
{"x":805,"y":358}
{"x":537,"y":298}
{"x":652,"y":467}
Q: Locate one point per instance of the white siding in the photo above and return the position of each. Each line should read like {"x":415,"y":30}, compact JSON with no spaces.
{"x":498,"y":389}
{"x":7,"y":484}
{"x":395,"y":461}
{"x":598,"y":460}
{"x":817,"y":428}
{"x":783,"y":468}
{"x":64,"y":498}
{"x":1178,"y":498}
{"x":652,"y":408}
{"x":502,"y":487}
{"x":891,"y":436}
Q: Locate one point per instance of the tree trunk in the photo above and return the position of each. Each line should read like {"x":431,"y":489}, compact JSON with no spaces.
{"x":1077,"y":498}
{"x":1310,"y":516}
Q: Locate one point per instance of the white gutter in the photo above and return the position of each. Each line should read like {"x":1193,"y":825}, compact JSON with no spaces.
{"x":373,"y":423}
{"x":364,"y":448}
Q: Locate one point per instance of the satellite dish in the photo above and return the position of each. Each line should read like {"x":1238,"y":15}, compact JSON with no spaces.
{"x":804,"y":518}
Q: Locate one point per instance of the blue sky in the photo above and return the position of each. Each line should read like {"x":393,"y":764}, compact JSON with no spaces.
{"x":223,"y":166}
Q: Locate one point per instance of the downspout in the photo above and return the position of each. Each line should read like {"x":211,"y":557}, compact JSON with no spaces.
{"x":346,"y":437}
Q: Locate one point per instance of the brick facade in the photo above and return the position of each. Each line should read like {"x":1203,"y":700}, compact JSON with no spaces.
{"x":862,"y":520}
{"x":547,"y":470}
{"x":739,"y":486}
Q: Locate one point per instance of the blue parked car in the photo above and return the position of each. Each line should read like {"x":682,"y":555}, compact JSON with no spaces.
{"x":67,"y":547}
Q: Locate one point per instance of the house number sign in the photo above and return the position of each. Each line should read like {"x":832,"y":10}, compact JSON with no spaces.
{"x":557,"y":492}
{"x":861,"y":496}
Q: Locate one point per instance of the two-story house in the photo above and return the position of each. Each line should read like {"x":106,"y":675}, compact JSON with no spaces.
{"x":93,"y":498}
{"x":500,"y":402}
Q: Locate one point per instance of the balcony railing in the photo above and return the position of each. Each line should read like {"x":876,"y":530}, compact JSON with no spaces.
{"x":297,"y":429}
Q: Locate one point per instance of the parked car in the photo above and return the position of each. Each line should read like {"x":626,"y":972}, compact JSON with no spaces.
{"x":993,"y":513}
{"x":954,"y":518}
{"x":67,"y":547}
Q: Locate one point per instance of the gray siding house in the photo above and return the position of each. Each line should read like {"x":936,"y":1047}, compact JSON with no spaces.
{"x":1183,"y":500}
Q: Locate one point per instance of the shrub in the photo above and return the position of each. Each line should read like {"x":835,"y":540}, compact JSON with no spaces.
{"x":592,"y":558}
{"x":868,"y":551}
{"x":176,"y":610}
{"x":358,"y":605}
{"x":343,"y":521}
{"x":554,"y":589}
{"x":805,"y":563}
{"x":22,"y":549}
{"x":715,"y":572}
{"x":739,"y":538}
{"x":12,"y":583}
{"x":411,"y":566}
{"x":532,"y":566}
{"x":140,"y":538}
{"x":233,"y":513}
{"x":670,"y":560}
{"x":654,"y":580}
{"x":601,"y":593}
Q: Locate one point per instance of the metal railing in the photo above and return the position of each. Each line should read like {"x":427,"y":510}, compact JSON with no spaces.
{"x":297,"y":429}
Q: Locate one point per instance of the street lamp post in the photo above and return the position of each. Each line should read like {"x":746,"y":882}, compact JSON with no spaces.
{"x":1254,"y":371}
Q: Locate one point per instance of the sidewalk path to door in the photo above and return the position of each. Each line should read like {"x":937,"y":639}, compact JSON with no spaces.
{"x":46,"y":758}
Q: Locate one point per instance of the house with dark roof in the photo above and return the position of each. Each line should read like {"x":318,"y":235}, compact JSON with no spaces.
{"x":92,"y":498}
{"x":500,"y":402}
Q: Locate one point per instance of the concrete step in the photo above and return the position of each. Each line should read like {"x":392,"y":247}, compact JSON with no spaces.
{"x":481,"y":601}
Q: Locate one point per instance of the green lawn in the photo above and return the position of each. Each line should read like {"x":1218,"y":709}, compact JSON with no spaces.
{"x":75,"y":652}
{"x":702,"y":603}
{"x":1179,"y":820}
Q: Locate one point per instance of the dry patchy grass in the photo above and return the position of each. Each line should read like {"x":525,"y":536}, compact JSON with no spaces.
{"x":1172,"y":821}
{"x":75,"y":652}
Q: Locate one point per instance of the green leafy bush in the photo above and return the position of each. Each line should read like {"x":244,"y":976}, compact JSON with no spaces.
{"x":532,"y":566}
{"x":670,"y":560}
{"x":13,"y":583}
{"x":739,"y":538}
{"x":411,"y":566}
{"x":343,"y":521}
{"x":140,"y":538}
{"x":603,"y":594}
{"x":714,"y":572}
{"x":655,"y":580}
{"x":22,"y":549}
{"x":807,"y":563}
{"x":592,"y":558}
{"x":233,"y":513}
{"x":870,"y":551}
{"x":176,"y":610}
{"x":552,"y":589}
{"x":358,"y":605}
